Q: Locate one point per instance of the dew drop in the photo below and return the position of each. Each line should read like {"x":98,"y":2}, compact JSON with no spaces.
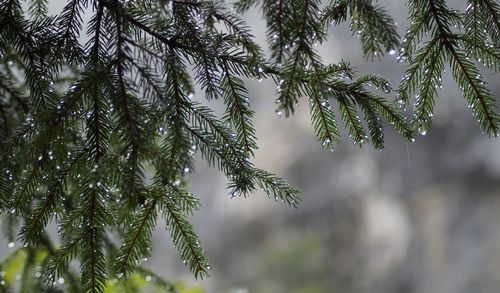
{"x":422,"y":130}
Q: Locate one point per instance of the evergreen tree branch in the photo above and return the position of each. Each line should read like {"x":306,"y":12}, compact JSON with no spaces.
{"x":485,"y":53}
{"x":238,"y":112}
{"x":324,"y":121}
{"x":374,"y":124}
{"x":137,"y":242}
{"x":92,"y":257}
{"x":391,"y":114}
{"x":492,"y":23}
{"x":415,"y":71}
{"x":351,"y":119}
{"x":44,"y":211}
{"x":479,"y":97}
{"x":59,"y":260}
{"x":184,"y":238}
{"x":431,"y":82}
{"x":27,"y":189}
{"x":290,"y":88}
{"x":82,"y":159}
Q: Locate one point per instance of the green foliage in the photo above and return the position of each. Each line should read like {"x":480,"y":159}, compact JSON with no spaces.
{"x":98,"y":138}
{"x":369,"y":21}
{"x":448,"y":43}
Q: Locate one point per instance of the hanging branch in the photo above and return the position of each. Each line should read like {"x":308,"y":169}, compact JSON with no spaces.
{"x":100,"y":138}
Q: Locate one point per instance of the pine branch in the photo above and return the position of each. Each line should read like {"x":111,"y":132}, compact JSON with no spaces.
{"x":71,"y":279}
{"x":210,"y":141}
{"x":4,"y":187}
{"x":276,"y":187}
{"x":371,"y":23}
{"x":38,"y":8}
{"x":474,"y":23}
{"x":236,"y":27}
{"x":45,"y":209}
{"x":184,"y":237}
{"x":183,"y":198}
{"x":232,"y":161}
{"x":485,"y":53}
{"x":238,"y":112}
{"x":83,"y":159}
{"x":59,"y":260}
{"x":351,"y":119}
{"x":479,"y":98}
{"x":137,"y":242}
{"x":415,"y":71}
{"x":92,"y":257}
{"x":278,"y":17}
{"x":419,"y":14}
{"x":10,"y":223}
{"x":374,"y":124}
{"x":431,"y":82}
{"x":290,"y":87}
{"x":324,"y":121}
{"x":26,"y":190}
{"x":426,"y":66}
{"x":490,"y":16}
{"x":391,"y":114}
{"x":336,"y":12}
{"x":378,"y":30}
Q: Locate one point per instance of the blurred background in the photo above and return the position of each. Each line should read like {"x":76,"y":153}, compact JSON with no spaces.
{"x":415,"y":217}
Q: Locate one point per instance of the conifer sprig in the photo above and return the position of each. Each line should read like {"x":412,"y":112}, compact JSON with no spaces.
{"x":369,"y":21}
{"x":482,"y":22}
{"x":137,"y":242}
{"x":426,"y":65}
{"x":183,"y":236}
